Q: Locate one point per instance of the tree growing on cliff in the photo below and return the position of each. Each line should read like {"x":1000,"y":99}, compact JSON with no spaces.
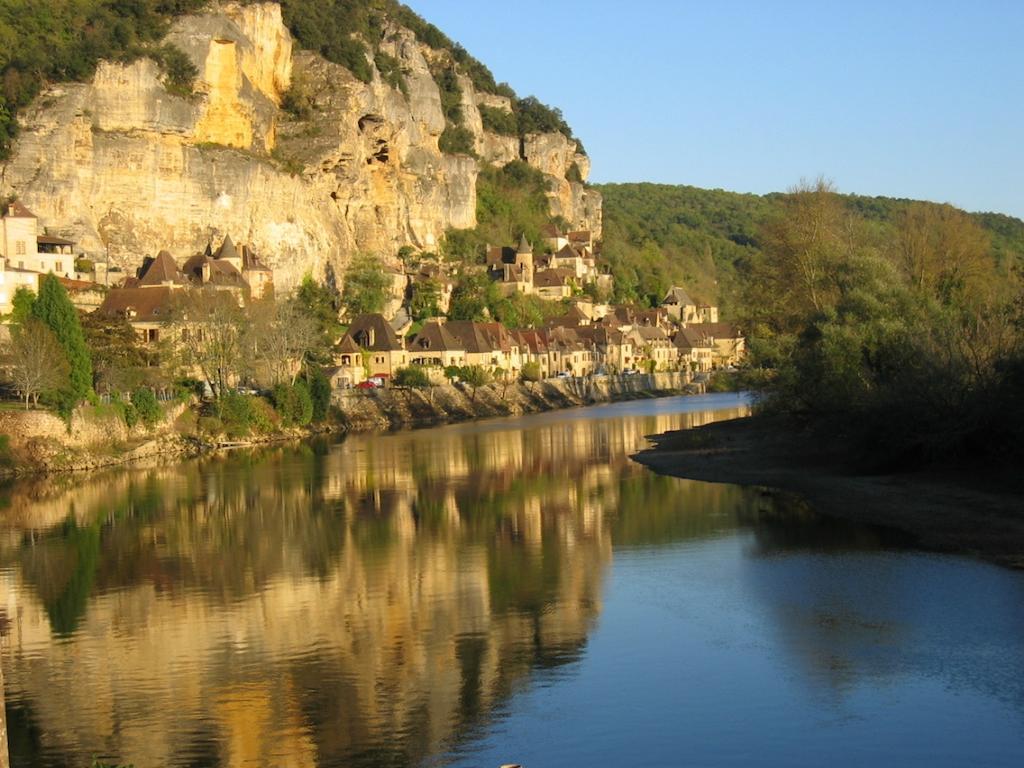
{"x":38,"y":364}
{"x":473,"y":298}
{"x":53,"y":308}
{"x":366,"y":286}
{"x":475,"y":376}
{"x":531,"y":373}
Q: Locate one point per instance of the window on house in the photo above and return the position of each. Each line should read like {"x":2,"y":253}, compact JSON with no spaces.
{"x":60,"y":266}
{"x":19,"y":247}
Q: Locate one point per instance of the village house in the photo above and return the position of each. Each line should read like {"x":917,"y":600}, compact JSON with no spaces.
{"x":614,"y":350}
{"x":384,"y":351}
{"x":489,"y":345}
{"x":25,"y":256}
{"x":683,"y":309}
{"x":533,"y":346}
{"x":435,"y":346}
{"x":576,"y":354}
{"x":232,"y":268}
{"x":728,"y":342}
{"x":655,"y":351}
{"x":349,"y":370}
{"x":148,"y":300}
{"x":680,"y":306}
{"x":513,"y":269}
{"x":551,"y":276}
{"x":554,"y":284}
{"x":695,"y":350}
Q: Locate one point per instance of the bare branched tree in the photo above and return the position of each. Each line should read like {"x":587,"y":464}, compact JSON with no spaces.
{"x":209,"y":327}
{"x":38,"y":362}
{"x":280,"y":336}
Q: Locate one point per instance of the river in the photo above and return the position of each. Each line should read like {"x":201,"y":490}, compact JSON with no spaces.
{"x":509,"y":591}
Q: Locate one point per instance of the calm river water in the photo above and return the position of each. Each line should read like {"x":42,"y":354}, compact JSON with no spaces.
{"x":508,"y":591}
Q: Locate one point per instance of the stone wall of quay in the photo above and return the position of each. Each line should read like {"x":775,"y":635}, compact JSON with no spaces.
{"x":381,"y":409}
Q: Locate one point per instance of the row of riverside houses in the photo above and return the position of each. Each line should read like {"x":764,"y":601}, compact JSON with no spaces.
{"x":590,"y":339}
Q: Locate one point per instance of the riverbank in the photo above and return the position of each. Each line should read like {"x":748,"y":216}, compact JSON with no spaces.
{"x":38,"y":442}
{"x":954,"y":510}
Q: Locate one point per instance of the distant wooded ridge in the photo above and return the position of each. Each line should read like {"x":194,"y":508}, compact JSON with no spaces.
{"x":659,"y":235}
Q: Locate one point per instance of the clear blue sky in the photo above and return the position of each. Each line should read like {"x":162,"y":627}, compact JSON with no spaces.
{"x":905,"y":98}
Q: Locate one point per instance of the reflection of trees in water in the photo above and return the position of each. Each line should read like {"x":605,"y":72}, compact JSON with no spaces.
{"x":362,"y":603}
{"x":873,"y":616}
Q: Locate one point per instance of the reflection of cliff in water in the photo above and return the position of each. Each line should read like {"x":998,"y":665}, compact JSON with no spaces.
{"x":363,"y":603}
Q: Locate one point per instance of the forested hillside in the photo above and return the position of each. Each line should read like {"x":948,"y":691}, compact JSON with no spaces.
{"x":658,"y":235}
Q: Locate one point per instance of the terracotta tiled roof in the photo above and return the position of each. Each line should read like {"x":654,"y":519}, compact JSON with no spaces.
{"x":552,"y":278}
{"x":677,"y":296}
{"x":139,"y":304}
{"x":690,"y":338}
{"x":718,"y":330}
{"x":160,"y":271}
{"x":16,"y":210}
{"x":50,"y":240}
{"x":374,"y":333}
{"x":435,"y":337}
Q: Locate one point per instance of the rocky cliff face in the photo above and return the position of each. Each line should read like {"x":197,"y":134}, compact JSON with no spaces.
{"x":126,"y":167}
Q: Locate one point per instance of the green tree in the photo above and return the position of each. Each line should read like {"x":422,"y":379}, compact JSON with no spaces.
{"x":54,"y":308}
{"x":293,"y":403}
{"x":475,"y":376}
{"x":367,"y":287}
{"x":119,"y":362}
{"x":531,"y":372}
{"x":319,"y":391}
{"x":473,"y":298}
{"x":426,"y":299}
{"x":320,"y":303}
{"x":21,"y":305}
{"x":413,"y":376}
{"x":147,"y":406}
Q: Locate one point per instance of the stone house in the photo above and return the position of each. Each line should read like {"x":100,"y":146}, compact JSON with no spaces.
{"x":554,"y":284}
{"x":533,"y":346}
{"x":349,"y":369}
{"x":489,"y":345}
{"x":25,"y":255}
{"x":695,"y":351}
{"x":513,"y":269}
{"x":654,"y":348}
{"x":230,"y":268}
{"x":728,"y":342}
{"x":614,"y":350}
{"x":385,"y":352}
{"x":679,"y":305}
{"x":577,"y":355}
{"x":435,"y":346}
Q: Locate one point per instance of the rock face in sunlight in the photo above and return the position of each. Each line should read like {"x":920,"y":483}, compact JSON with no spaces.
{"x":125,"y":166}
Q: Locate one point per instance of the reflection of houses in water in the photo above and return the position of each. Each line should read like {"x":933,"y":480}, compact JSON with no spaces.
{"x":304,"y":603}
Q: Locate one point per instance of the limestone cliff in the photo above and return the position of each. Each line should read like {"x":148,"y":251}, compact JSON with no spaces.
{"x":126,"y":167}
